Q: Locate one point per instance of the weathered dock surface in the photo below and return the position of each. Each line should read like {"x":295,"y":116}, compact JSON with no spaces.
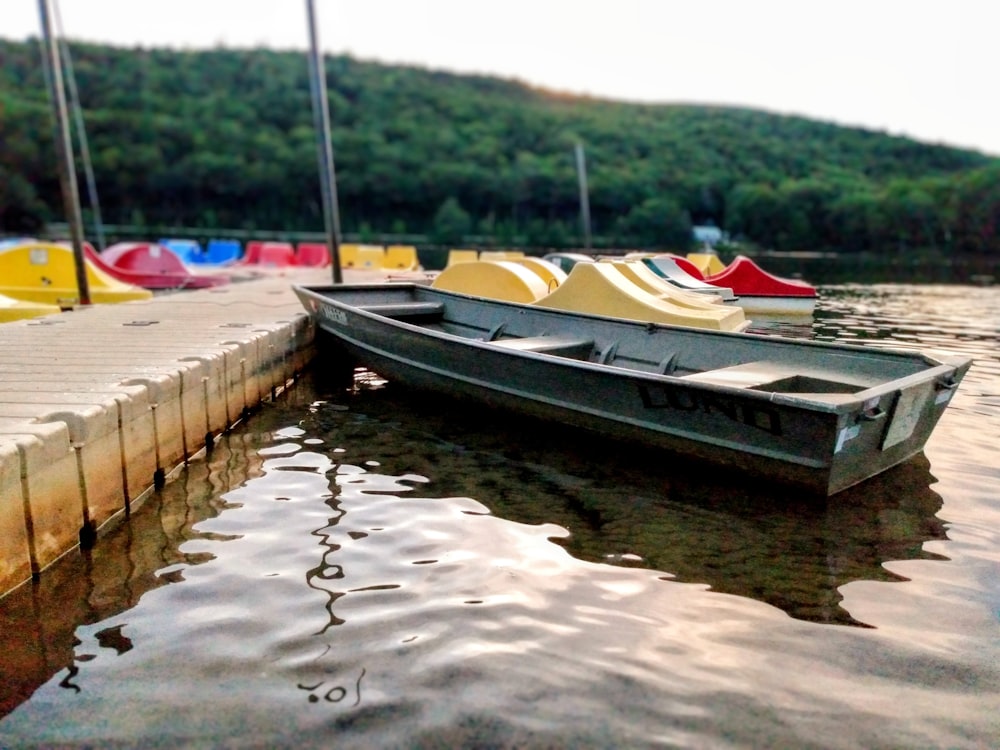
{"x":99,"y":404}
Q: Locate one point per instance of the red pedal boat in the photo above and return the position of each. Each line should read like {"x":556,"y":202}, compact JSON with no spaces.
{"x":151,"y":266}
{"x":763,"y":293}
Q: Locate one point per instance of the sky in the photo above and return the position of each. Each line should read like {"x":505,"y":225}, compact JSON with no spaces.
{"x":925,"y":69}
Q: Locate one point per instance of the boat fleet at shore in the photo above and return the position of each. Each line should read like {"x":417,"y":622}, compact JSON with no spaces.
{"x":39,"y":277}
{"x":658,"y":288}
{"x":641,"y":350}
{"x":650,"y":348}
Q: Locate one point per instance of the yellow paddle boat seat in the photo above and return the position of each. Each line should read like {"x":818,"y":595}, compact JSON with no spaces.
{"x":707,"y":263}
{"x":461,"y":256}
{"x":601,"y":289}
{"x":401,"y":258}
{"x":502,"y":280}
{"x":46,"y":272}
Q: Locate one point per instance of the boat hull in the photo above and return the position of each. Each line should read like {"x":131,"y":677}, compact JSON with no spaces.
{"x":822,"y":442}
{"x":771,"y":305}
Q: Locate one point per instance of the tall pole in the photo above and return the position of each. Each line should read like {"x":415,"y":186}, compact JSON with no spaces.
{"x":67,"y":172}
{"x":81,"y":131}
{"x":581,"y":172}
{"x":321,"y":117}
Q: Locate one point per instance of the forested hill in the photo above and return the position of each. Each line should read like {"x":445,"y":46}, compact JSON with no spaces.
{"x":225,"y":139}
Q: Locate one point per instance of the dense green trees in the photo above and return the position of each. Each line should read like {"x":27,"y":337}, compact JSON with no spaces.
{"x":224,"y":139}
{"x":451,"y":223}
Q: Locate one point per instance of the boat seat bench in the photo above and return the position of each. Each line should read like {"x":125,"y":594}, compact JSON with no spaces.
{"x":398,"y":310}
{"x":758,"y":374}
{"x":562,"y":346}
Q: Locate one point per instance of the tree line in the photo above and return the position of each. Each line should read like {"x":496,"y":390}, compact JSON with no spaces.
{"x":224,"y":138}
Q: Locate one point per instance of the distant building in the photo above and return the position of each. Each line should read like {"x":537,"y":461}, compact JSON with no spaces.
{"x":707,"y":235}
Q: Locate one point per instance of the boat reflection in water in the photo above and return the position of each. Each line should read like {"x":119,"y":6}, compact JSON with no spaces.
{"x":637,"y":509}
{"x":788,"y":326}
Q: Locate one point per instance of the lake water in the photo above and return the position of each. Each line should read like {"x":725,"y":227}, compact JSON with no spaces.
{"x":377,"y":569}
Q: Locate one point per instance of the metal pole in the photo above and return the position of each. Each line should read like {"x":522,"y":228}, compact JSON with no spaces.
{"x":321,"y":117}
{"x":67,"y":173}
{"x":581,"y":171}
{"x":81,"y":132}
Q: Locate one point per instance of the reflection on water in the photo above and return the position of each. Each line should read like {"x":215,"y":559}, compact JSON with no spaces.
{"x":625,"y":507}
{"x":37,"y":622}
{"x":940,"y":319}
{"x":375,"y":567}
{"x":142,"y":553}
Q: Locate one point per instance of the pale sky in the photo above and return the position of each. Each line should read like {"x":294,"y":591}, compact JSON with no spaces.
{"x":925,"y":69}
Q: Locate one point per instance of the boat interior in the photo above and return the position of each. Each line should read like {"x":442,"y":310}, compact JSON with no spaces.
{"x":755,"y":365}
